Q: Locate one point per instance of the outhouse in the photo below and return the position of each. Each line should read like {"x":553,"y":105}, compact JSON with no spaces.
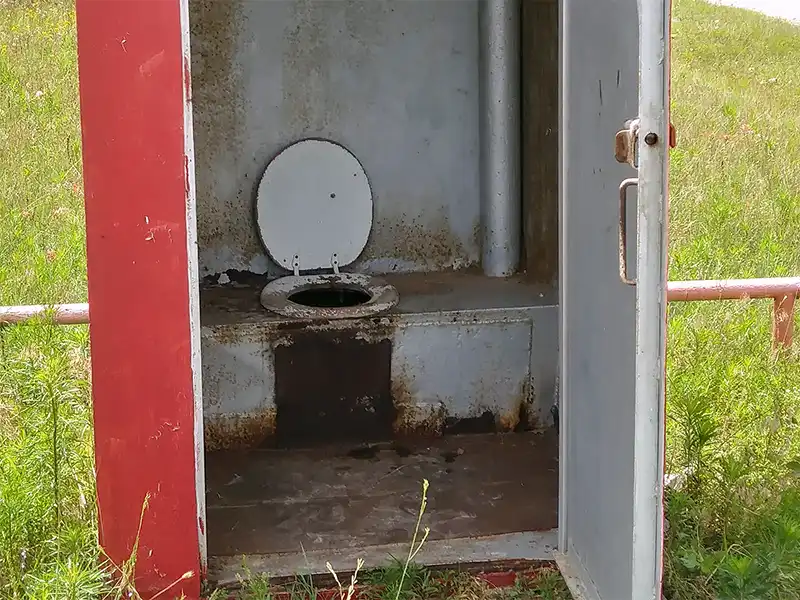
{"x":336,"y":247}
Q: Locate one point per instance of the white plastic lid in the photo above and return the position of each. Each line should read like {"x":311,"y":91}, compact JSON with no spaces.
{"x":315,"y":203}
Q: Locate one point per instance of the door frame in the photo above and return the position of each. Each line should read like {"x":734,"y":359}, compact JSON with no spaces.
{"x":141,"y":237}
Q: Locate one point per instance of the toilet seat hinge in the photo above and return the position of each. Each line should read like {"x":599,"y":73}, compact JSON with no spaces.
{"x":335,"y":263}
{"x":296,"y":265}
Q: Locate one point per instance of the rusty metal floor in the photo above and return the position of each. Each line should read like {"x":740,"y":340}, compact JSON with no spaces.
{"x":267,"y":502}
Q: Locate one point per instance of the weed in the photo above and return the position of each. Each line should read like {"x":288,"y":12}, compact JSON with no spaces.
{"x":48,"y":544}
{"x":547,"y":584}
{"x":403,"y":579}
{"x":48,"y":541}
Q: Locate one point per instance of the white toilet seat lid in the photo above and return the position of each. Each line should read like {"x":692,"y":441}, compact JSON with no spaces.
{"x":314,"y":203}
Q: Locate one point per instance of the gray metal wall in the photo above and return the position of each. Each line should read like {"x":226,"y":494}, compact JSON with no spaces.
{"x":395,"y":82}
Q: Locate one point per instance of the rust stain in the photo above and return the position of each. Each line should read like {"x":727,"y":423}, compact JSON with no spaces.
{"x":477,"y":234}
{"x":412,"y":420}
{"x":240,"y":431}
{"x":407,"y":418}
{"x":367,"y":329}
{"x":233,"y":335}
{"x":518,"y":419}
{"x":423,"y":241}
{"x":384,"y":299}
{"x":333,"y":386}
{"x":219,"y":113}
{"x":187,"y":79}
{"x":308,"y":104}
{"x":433,"y":419}
{"x":507,"y":422}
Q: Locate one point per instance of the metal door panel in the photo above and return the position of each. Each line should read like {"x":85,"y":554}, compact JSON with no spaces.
{"x":614,"y":66}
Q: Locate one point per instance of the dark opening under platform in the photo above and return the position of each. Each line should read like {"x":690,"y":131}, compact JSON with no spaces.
{"x":355,"y":500}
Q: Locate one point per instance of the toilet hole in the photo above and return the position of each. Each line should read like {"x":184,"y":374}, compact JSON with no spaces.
{"x":330,"y":297}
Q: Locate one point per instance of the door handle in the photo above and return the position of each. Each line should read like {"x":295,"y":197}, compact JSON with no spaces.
{"x":623,"y":229}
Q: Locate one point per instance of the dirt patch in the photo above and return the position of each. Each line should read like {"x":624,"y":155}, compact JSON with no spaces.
{"x":333,"y":386}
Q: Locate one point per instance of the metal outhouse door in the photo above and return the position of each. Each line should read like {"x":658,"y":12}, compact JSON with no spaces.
{"x":613,"y":295}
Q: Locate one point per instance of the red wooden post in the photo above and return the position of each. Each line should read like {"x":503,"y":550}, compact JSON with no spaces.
{"x":142,"y":267}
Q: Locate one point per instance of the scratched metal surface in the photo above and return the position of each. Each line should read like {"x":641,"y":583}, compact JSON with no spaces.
{"x":395,"y":82}
{"x":598,"y":344}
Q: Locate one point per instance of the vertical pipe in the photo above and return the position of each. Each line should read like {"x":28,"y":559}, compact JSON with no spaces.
{"x":501,"y":207}
{"x":783,"y":320}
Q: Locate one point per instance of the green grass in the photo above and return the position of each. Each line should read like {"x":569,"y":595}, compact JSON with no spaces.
{"x":41,"y":207}
{"x":47,"y":541}
{"x":48,"y":545}
{"x":733,"y":405}
{"x":420,"y":584}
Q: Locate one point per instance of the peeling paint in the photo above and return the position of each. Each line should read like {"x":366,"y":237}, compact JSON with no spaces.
{"x":147,"y":67}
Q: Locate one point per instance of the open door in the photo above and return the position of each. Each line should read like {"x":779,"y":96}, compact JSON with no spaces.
{"x":614,"y":75}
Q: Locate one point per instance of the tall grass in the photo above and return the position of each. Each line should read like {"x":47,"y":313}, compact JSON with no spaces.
{"x":733,"y":405}
{"x":48,"y":546}
{"x":41,"y":198}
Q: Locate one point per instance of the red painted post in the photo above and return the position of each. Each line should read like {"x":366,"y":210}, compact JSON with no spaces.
{"x":142,"y":267}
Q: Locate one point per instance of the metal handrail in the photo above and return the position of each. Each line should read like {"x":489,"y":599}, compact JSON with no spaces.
{"x":62,"y":314}
{"x":783,"y":291}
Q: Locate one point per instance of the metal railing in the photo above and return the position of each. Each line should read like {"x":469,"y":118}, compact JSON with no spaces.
{"x":62,"y":314}
{"x":782,"y":290}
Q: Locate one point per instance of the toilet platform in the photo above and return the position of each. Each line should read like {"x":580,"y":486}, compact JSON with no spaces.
{"x":237,"y":302}
{"x":459,"y":353}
